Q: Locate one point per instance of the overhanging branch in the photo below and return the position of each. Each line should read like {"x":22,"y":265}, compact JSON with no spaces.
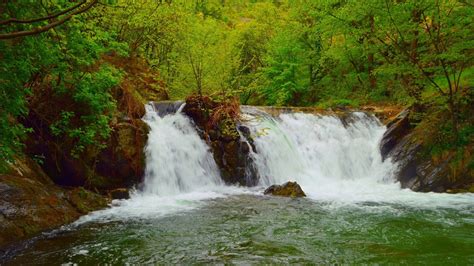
{"x":27,"y":21}
{"x":49,"y":26}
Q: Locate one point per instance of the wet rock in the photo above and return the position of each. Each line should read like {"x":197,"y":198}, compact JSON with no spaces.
{"x":397,"y":129}
{"x":416,"y":168}
{"x":199,"y":109}
{"x":30,"y":205}
{"x":289,"y":189}
{"x":122,"y":163}
{"x":163,"y":108}
{"x":119,"y":193}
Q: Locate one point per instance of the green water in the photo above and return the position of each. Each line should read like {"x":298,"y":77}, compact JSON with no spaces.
{"x":250,"y":229}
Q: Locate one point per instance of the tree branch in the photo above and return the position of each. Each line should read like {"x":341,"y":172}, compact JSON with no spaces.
{"x":38,"y":30}
{"x":26,"y":21}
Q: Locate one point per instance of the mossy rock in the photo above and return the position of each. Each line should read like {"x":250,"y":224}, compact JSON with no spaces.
{"x":86,"y":201}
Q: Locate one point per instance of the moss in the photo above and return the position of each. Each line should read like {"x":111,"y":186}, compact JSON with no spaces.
{"x":86,"y":201}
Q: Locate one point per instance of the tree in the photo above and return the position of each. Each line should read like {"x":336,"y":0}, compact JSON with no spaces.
{"x":205,"y":58}
{"x":62,"y":62}
{"x":432,"y":40}
{"x":285,"y":70}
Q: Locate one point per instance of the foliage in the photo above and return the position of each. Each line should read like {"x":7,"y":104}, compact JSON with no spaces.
{"x":309,"y":52}
{"x":66,"y":60}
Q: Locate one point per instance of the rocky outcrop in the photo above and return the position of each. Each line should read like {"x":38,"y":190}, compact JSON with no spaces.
{"x":230,"y":142}
{"x":30,"y":203}
{"x":289,"y":189}
{"x":406,"y":145}
{"x":397,"y":129}
{"x":122,"y":162}
{"x":163,"y":108}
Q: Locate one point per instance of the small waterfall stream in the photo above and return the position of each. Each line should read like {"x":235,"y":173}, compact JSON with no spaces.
{"x":177,"y":159}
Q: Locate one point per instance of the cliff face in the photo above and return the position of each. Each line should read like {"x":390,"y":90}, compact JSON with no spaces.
{"x":408,"y":141}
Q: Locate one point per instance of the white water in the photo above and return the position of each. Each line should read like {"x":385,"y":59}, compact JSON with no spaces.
{"x":333,"y":163}
{"x":177,"y":159}
{"x":180,"y":173}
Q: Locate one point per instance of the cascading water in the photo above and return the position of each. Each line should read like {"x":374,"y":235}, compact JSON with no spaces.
{"x":177,"y":159}
{"x":330,"y":160}
{"x":333,"y":159}
{"x":180,"y":170}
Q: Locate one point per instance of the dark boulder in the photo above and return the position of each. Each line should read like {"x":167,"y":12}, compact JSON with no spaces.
{"x":122,"y":162}
{"x":289,"y":189}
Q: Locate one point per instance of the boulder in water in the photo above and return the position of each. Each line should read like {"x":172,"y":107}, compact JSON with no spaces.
{"x":289,"y":189}
{"x":119,"y":193}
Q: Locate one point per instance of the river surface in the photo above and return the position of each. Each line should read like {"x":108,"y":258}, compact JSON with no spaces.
{"x":355,"y":212}
{"x":249,"y":228}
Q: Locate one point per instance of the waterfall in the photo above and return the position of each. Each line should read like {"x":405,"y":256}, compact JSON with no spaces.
{"x":334,"y":160}
{"x":177,"y":159}
{"x":331,"y":158}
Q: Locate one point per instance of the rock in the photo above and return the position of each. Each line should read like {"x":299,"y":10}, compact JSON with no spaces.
{"x":417,"y":169}
{"x":122,"y":162}
{"x":30,"y":205}
{"x":289,"y":189}
{"x":119,"y":193}
{"x":164,"y":108}
{"x":231,"y":153}
{"x":199,"y":108}
{"x":396,"y":130}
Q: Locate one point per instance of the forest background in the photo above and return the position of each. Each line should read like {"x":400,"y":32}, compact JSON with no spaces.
{"x":323,"y":53}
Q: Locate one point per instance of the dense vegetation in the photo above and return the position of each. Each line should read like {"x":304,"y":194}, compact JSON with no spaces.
{"x":281,"y":52}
